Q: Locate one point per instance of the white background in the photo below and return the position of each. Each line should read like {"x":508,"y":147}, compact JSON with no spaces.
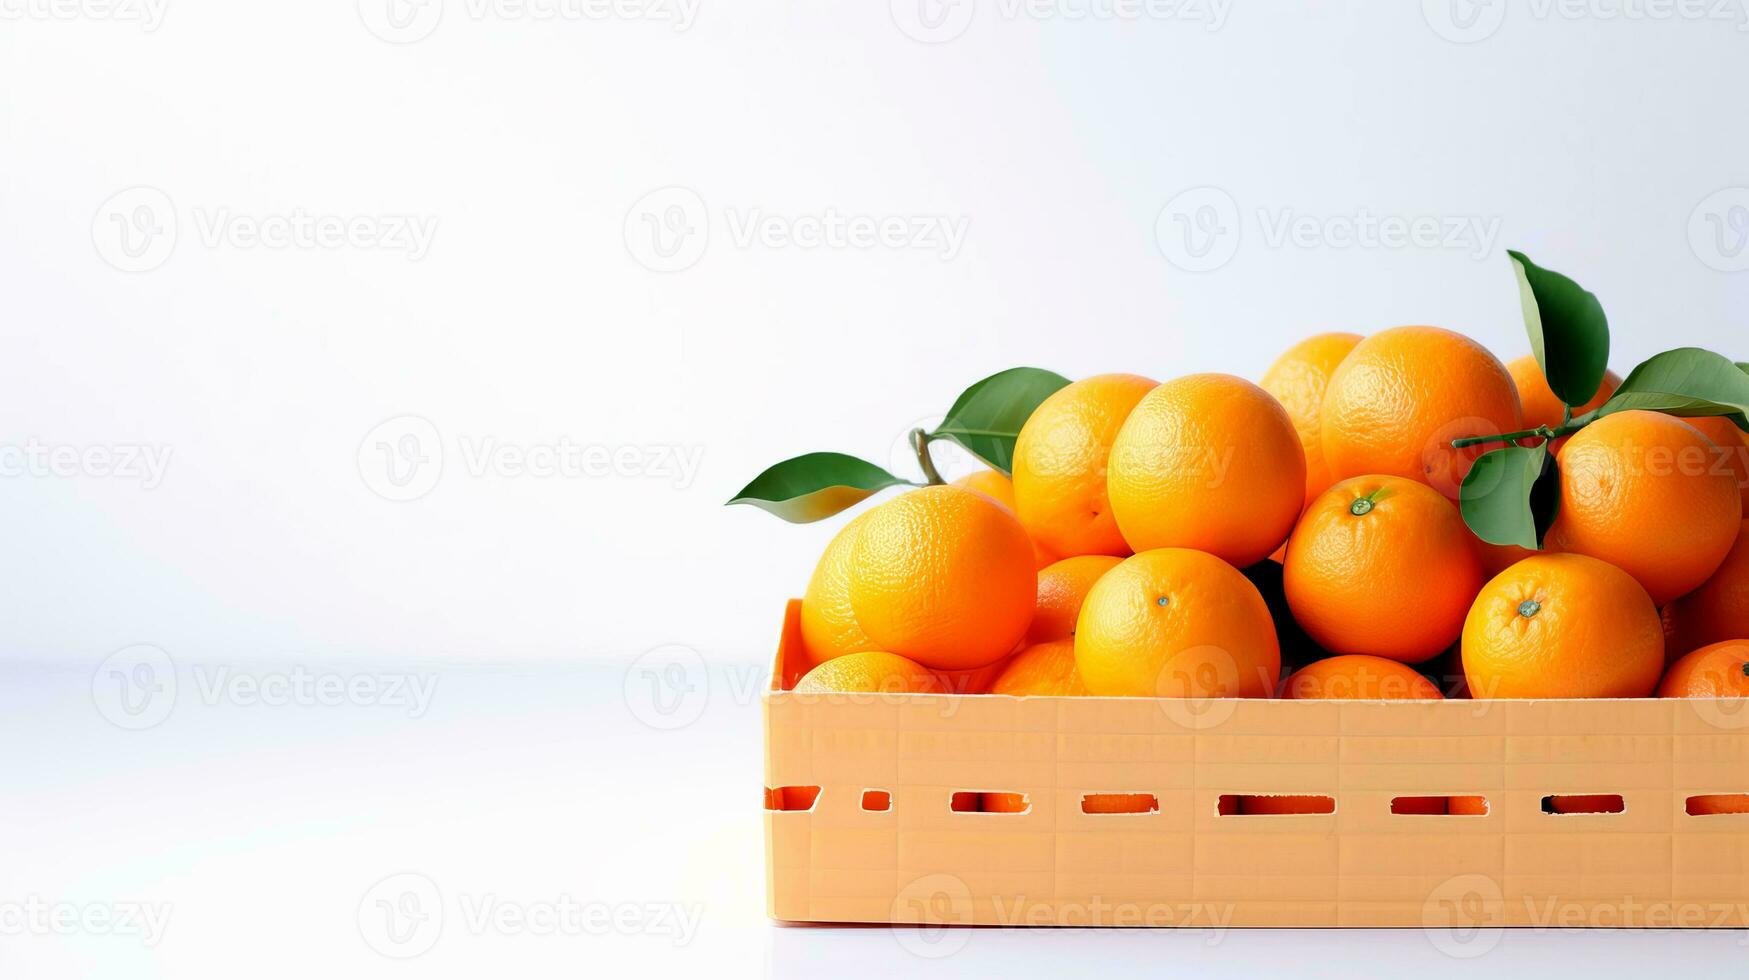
{"x":539,"y":152}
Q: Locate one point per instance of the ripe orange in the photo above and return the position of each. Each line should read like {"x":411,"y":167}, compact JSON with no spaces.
{"x":1298,"y":379}
{"x":1253,"y":806}
{"x":1718,"y":670}
{"x":1401,"y":396}
{"x":1639,"y":490}
{"x":944,"y":576}
{"x":1211,"y":462}
{"x":1731,"y":452}
{"x":1176,"y":623}
{"x":1062,"y":587}
{"x":1382,"y":565}
{"x":1563,"y":626}
{"x":870,"y":672}
{"x":829,"y":628}
{"x":1540,"y":404}
{"x":1497,"y":558}
{"x":1357,"y":677}
{"x":1060,"y":462}
{"x":1719,"y":609}
{"x":1001,"y":489}
{"x":974,"y":681}
{"x":1042,"y":669}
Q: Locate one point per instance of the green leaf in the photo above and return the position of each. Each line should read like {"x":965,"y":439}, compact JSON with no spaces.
{"x":1686,"y":381}
{"x":1568,"y":331}
{"x":987,"y":417}
{"x":808,"y":488}
{"x":1511,"y":496}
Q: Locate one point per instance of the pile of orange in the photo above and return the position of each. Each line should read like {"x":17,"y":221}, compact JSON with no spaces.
{"x":1121,"y":559}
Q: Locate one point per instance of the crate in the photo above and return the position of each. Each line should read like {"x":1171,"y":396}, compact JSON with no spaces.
{"x":861,"y":825}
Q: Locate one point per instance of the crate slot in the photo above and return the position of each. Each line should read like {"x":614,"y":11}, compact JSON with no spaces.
{"x":791,"y":798}
{"x":982,"y":801}
{"x":1104,"y":803}
{"x":1566,"y":804}
{"x":877,"y":800}
{"x":1716,"y":804}
{"x":1273,"y":804}
{"x":1440,"y":806}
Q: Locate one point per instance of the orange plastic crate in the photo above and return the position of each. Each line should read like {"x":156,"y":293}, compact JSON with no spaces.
{"x":881,"y":839}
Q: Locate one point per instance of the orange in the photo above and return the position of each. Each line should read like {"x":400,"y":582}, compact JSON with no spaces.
{"x":1211,"y":462}
{"x":1400,"y":397}
{"x":1298,"y":379}
{"x":1042,"y":669}
{"x":829,"y":628}
{"x":1254,"y":806}
{"x":1001,"y":489}
{"x":1640,"y":490}
{"x":1384,"y":566}
{"x":974,"y":681}
{"x":1356,"y":677}
{"x":1718,"y":670}
{"x":1497,"y":558}
{"x":870,"y":672}
{"x":1176,"y":623}
{"x":1062,"y":587}
{"x":1719,"y":609}
{"x":943,"y":575}
{"x":1563,"y":626}
{"x":1731,"y":450}
{"x":1540,"y":404}
{"x":1060,"y":461}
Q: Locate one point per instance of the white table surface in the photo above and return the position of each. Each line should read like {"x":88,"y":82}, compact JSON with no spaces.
{"x":545,"y":829}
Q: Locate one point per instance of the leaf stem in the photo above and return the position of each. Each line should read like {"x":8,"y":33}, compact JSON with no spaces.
{"x":920,"y":445}
{"x":1541,"y":431}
